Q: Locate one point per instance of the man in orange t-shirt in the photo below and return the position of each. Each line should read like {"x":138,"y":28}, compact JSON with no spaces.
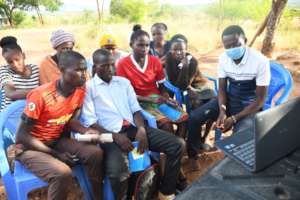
{"x":42,"y":144}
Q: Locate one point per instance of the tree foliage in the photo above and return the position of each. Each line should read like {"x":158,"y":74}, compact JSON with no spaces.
{"x":133,"y":10}
{"x":240,"y":9}
{"x":8,"y":7}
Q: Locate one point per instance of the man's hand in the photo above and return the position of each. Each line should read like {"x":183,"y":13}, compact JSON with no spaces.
{"x":123,"y":141}
{"x":141,"y":136}
{"x":163,"y":60}
{"x":221,"y":120}
{"x":228,"y":124}
{"x":172,"y":103}
{"x":67,"y":158}
{"x":159,"y":100}
{"x":92,"y":131}
{"x":185,"y":62}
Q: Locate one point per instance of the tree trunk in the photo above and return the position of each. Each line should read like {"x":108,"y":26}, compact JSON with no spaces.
{"x":260,"y":29}
{"x":39,"y":15}
{"x":221,"y":15}
{"x":9,"y":15}
{"x":273,"y":21}
{"x":98,"y":10}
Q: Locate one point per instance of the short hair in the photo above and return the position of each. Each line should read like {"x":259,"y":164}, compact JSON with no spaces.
{"x":100,"y":52}
{"x":160,"y":25}
{"x":136,"y":27}
{"x":69,"y":58}
{"x":179,"y":38}
{"x":9,"y":43}
{"x":233,"y":29}
{"x":137,"y":32}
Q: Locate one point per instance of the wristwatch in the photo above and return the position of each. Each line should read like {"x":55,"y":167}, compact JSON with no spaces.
{"x":224,"y":107}
{"x":233,"y":119}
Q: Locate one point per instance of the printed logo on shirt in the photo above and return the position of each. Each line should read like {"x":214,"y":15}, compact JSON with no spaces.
{"x":60,"y":121}
{"x":31,"y":106}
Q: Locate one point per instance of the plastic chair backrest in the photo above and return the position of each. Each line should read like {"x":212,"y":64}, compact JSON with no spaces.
{"x":281,"y":81}
{"x":1,"y":91}
{"x":181,"y":96}
{"x":10,"y":118}
{"x":8,"y":121}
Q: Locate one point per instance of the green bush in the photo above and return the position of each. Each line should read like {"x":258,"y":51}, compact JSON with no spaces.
{"x":133,"y":10}
{"x":18,"y":17}
{"x":239,"y":9}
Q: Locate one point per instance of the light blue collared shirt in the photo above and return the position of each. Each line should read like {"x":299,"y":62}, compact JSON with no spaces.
{"x":108,"y":104}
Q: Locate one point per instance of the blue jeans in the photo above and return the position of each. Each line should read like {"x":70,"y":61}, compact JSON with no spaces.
{"x":199,"y":116}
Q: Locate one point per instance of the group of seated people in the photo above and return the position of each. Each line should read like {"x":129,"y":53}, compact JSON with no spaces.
{"x":66,"y":93}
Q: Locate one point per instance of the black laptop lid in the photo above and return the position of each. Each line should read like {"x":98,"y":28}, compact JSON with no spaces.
{"x":277,"y":132}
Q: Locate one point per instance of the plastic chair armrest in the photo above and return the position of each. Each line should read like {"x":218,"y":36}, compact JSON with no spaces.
{"x":149,"y":118}
{"x":214,"y":80}
{"x":175,"y":90}
{"x":4,"y":167}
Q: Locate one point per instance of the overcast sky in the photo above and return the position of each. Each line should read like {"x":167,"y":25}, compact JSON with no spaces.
{"x":76,"y":5}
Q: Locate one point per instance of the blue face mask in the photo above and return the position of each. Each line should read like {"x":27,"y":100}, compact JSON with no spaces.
{"x":236,"y":53}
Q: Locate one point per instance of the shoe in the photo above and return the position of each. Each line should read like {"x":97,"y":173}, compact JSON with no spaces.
{"x":193,"y":164}
{"x":161,"y":196}
{"x":181,"y":185}
{"x":207,"y":148}
{"x":181,"y":182}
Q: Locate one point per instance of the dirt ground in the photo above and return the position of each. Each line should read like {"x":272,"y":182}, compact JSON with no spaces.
{"x":208,"y":65}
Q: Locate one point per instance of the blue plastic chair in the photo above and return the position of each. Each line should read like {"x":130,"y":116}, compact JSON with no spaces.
{"x":181,"y":96}
{"x":281,"y":81}
{"x":21,"y":181}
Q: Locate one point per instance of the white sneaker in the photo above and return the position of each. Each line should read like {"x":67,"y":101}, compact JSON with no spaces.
{"x":161,"y":196}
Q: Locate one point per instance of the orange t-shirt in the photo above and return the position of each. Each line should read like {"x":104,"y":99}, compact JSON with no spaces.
{"x":49,"y":111}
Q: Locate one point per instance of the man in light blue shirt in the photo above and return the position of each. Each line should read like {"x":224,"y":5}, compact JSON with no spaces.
{"x":111,"y":106}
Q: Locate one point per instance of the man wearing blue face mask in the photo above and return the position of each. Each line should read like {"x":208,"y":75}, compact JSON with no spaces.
{"x":244,"y":76}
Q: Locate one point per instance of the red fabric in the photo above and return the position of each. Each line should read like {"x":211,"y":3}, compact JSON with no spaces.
{"x":144,"y":83}
{"x":50,"y":110}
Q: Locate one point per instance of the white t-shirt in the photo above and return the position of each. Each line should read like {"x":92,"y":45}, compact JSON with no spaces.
{"x":253,"y":65}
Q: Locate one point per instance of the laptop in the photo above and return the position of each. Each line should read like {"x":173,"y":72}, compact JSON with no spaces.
{"x":276,"y":133}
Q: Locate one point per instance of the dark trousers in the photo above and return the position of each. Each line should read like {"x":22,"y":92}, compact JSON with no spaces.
{"x":58,"y":174}
{"x":116,"y":163}
{"x":199,"y":116}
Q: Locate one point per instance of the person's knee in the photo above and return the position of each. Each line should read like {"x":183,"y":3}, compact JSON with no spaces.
{"x":178,"y":148}
{"x":63,"y":172}
{"x":96,"y":155}
{"x":118,"y":171}
{"x":181,"y":146}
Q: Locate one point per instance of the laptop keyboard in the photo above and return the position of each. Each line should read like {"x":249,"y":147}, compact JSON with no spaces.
{"x":244,"y":152}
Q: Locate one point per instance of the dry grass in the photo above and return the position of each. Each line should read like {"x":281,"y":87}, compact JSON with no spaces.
{"x":202,"y":32}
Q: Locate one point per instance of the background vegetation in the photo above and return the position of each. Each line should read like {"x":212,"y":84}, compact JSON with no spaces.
{"x":201,"y":24}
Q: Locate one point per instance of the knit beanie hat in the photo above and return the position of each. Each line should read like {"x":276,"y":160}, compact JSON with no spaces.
{"x":60,"y":36}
